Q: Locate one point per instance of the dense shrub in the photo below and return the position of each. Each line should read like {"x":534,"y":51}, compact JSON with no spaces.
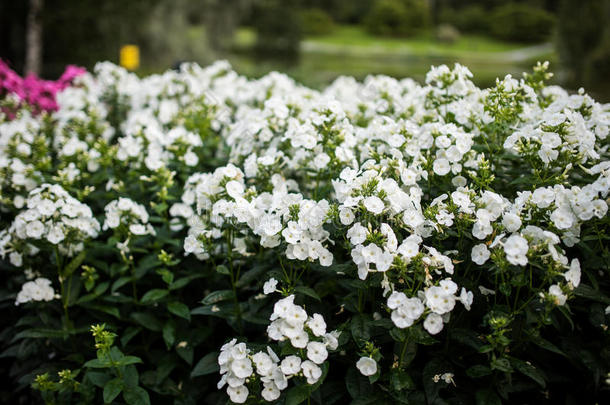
{"x":584,"y":49}
{"x":278,"y":27}
{"x":382,"y":241}
{"x":521,"y":22}
{"x":315,"y":21}
{"x":471,"y":19}
{"x":397,"y":17}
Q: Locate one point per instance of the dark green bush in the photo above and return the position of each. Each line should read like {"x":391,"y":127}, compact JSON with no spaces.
{"x":316,"y":21}
{"x":472,"y":18}
{"x":397,"y":18}
{"x":521,"y":22}
{"x":277,"y":27}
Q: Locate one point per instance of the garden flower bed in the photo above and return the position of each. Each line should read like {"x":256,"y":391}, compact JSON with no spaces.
{"x":254,"y":240}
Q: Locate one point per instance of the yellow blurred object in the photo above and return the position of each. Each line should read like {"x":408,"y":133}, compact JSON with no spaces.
{"x":130,"y":57}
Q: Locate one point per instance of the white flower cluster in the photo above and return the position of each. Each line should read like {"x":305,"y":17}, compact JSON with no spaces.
{"x":127,"y":213}
{"x":291,"y":323}
{"x":436,"y":300}
{"x":379,"y":177}
{"x":236,"y":363}
{"x":19,"y":141}
{"x":37,"y":290}
{"x":52,"y":215}
{"x":281,"y":216}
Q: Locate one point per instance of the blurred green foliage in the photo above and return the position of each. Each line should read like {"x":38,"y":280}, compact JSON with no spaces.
{"x":471,"y":19}
{"x":169,"y":31}
{"x":583,"y":39}
{"x":96,"y":30}
{"x":315,"y":21}
{"x":278,"y":27}
{"x":398,"y":17}
{"x":521,"y":22}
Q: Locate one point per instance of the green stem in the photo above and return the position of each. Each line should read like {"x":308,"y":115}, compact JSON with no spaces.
{"x":234,"y":279}
{"x":402,"y":353}
{"x":114,"y":366}
{"x":134,"y":288}
{"x":65,"y":295}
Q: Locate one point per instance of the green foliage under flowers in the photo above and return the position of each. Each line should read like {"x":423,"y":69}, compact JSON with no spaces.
{"x":382,"y":241}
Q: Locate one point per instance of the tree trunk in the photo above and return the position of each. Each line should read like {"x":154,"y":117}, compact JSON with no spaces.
{"x":33,"y":37}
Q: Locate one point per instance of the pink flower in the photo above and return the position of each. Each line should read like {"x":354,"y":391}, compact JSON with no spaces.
{"x":70,"y":74}
{"x":38,"y":93}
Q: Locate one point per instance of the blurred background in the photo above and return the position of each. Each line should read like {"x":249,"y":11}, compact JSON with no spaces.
{"x":315,"y":41}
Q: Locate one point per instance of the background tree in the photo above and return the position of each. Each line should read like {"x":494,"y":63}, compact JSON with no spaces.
{"x":33,"y":39}
{"x":584,"y":49}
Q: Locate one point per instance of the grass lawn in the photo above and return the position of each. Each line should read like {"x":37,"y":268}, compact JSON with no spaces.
{"x":352,"y":36}
{"x":357,"y":36}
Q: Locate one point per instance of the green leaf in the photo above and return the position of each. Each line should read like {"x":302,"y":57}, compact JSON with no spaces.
{"x":586,"y":291}
{"x":130,"y":376}
{"x":112,"y":389}
{"x":217,"y":296}
{"x":529,"y":370}
{"x":147,"y":320}
{"x":120,"y":283}
{"x":180,"y":309}
{"x":253,"y":274}
{"x":165,"y":368}
{"x":73,"y":265}
{"x":99,"y":290}
{"x":114,"y":311}
{"x":222,"y":310}
{"x":136,"y":396}
{"x":154,"y":295}
{"x":478,"y":371}
{"x":357,"y":385}
{"x":309,"y":292}
{"x":207,"y":365}
{"x":129,"y":334}
{"x":466,"y":337}
{"x":127,"y":360}
{"x":99,"y":379}
{"x":169,"y":334}
{"x":501,"y":364}
{"x":487,"y":397}
{"x":400,"y":380}
{"x":223,"y":270}
{"x":144,"y":265}
{"x":417,"y":334}
{"x":186,"y":352}
{"x":545,"y":344}
{"x":42,"y":333}
{"x":360,"y":328}
{"x":97,"y":363}
{"x":398,"y":335}
{"x":406,"y":354}
{"x":181,"y":282}
{"x":433,"y":367}
{"x":369,"y":400}
{"x":166,"y":275}
{"x":297,"y":395}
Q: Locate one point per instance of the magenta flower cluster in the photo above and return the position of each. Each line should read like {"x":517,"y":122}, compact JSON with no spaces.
{"x":38,"y":93}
